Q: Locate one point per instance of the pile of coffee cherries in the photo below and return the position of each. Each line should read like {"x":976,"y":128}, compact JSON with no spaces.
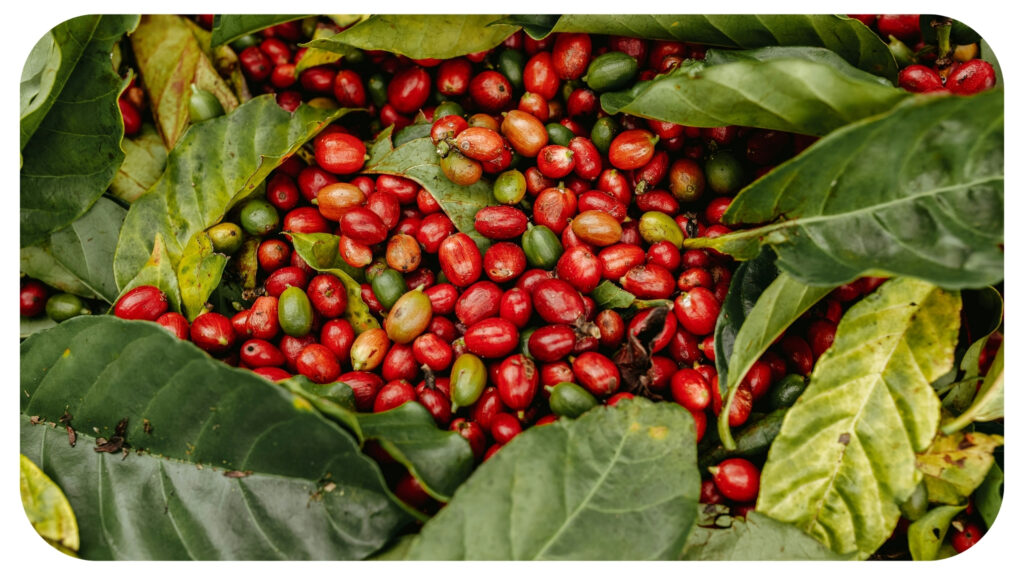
{"x":497,"y":340}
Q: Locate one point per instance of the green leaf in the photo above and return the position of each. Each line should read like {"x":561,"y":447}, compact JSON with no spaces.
{"x":397,"y":551}
{"x":418,"y":161}
{"x":937,"y":214}
{"x":421,"y":35}
{"x":803,"y":90}
{"x":988,"y":498}
{"x":199,"y":273}
{"x":47,"y":508}
{"x":222,"y":464}
{"x":320,"y":251}
{"x":230,"y":27}
{"x":319,"y":57}
{"x":33,"y":325}
{"x":983,"y":314}
{"x":158,"y":271}
{"x":607,"y":295}
{"x":48,"y":67}
{"x":439,"y":460}
{"x":216,"y":165}
{"x":144,"y":162}
{"x":925,"y":536}
{"x":955,"y":465}
{"x":848,"y":37}
{"x":76,"y":150}
{"x":845,"y":457}
{"x":617,"y":483}
{"x":758,"y":538}
{"x":988,"y":403}
{"x":781,"y":304}
{"x":748,"y":282}
{"x":79,"y":259}
{"x":170,"y":59}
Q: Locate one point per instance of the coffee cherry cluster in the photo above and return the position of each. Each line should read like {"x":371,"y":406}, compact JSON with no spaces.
{"x":493,"y":342}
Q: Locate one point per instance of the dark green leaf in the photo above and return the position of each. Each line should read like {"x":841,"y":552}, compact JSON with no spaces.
{"x":216,"y":165}
{"x":418,"y":161}
{"x":230,"y":27}
{"x":845,"y":457}
{"x":48,"y":68}
{"x":33,"y":325}
{"x":748,"y":282}
{"x":80,"y":258}
{"x":439,"y":460}
{"x":199,"y":273}
{"x":781,"y":304}
{"x":76,"y":150}
{"x":804,"y":90}
{"x":855,"y":42}
{"x":144,"y":162}
{"x":955,"y":465}
{"x":158,"y":271}
{"x":618,"y":483}
{"x":221,"y":464}
{"x":421,"y":35}
{"x":320,"y":251}
{"x":610,"y":296}
{"x":832,"y":215}
{"x":988,"y":498}
{"x":758,"y":538}
{"x":170,"y":60}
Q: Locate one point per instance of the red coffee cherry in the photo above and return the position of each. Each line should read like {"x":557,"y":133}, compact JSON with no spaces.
{"x":213,"y":333}
{"x":737,"y":479}
{"x":143,"y":302}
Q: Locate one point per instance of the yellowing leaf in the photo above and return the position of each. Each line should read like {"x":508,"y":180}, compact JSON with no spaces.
{"x":47,"y":508}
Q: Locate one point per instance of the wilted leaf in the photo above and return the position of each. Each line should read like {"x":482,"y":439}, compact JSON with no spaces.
{"x":47,"y":508}
{"x":955,"y":465}
{"x":170,"y":59}
{"x":845,"y":456}
{"x":144,"y":162}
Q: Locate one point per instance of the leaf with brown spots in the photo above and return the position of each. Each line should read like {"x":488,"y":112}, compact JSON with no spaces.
{"x":955,"y":465}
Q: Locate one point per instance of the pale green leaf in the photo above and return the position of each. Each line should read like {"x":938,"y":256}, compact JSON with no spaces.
{"x":845,"y":456}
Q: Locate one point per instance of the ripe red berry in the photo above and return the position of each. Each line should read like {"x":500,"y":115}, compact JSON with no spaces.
{"x":737,"y":479}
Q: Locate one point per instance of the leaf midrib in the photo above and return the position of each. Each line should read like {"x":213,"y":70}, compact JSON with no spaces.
{"x":593,"y":490}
